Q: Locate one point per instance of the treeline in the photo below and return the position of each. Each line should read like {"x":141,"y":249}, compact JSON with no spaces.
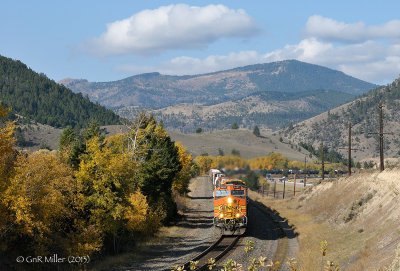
{"x":331,"y":156}
{"x":95,"y":196}
{"x":37,"y":98}
{"x":272,"y":161}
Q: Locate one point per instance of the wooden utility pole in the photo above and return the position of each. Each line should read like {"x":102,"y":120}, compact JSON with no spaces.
{"x":322,"y":161}
{"x":382,"y":164}
{"x":381,"y":133}
{"x":294,"y":185}
{"x":349,"y":151}
{"x":305,"y":170}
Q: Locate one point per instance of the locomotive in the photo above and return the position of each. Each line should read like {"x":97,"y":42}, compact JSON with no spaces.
{"x":230,"y":205}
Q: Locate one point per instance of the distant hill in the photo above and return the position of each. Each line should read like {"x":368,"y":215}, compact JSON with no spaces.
{"x":36,"y":97}
{"x":154,"y":90}
{"x":332,"y":127}
{"x":267,"y":110}
{"x":241,"y":140}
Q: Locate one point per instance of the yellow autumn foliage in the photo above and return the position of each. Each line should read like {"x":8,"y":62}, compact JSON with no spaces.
{"x":7,"y":148}
{"x":204,"y":162}
{"x":272,"y":161}
{"x":182,"y":179}
{"x":229,"y":162}
{"x":39,"y":197}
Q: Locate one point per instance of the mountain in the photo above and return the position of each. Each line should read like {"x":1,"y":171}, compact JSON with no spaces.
{"x":363,"y":113}
{"x":36,"y":97}
{"x":268,"y":110}
{"x":154,"y":90}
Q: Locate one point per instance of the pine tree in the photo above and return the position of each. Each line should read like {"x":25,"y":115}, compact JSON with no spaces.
{"x":235,"y":126}
{"x":256,"y":131}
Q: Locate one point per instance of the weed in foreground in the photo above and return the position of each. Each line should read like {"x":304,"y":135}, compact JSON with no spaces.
{"x":256,"y":264}
{"x":249,"y":246}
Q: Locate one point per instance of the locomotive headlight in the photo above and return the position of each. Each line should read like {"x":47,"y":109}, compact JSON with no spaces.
{"x":237,"y":215}
{"x":229,"y":200}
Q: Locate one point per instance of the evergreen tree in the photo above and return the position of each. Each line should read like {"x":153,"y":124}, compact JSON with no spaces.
{"x":235,"y":125}
{"x":160,"y":166}
{"x":35,"y":96}
{"x":256,"y":131}
{"x":251,"y":180}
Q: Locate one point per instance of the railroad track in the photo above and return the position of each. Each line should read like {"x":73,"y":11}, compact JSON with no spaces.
{"x":216,"y":251}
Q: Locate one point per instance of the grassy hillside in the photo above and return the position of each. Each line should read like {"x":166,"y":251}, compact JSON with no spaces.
{"x":38,"y":98}
{"x":356,"y":215}
{"x":244,"y":141}
{"x":363,"y":113}
{"x":268,"y":110}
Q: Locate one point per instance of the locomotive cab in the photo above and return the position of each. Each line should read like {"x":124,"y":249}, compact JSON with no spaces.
{"x":230,"y":207}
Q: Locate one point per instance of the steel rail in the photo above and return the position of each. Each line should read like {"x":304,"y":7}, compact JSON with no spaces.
{"x":216,"y":251}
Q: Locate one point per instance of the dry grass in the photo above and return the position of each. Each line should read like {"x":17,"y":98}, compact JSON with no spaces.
{"x":242,"y":140}
{"x":367,"y":241}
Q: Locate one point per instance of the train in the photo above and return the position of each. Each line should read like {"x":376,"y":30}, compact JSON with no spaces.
{"x":230,"y":203}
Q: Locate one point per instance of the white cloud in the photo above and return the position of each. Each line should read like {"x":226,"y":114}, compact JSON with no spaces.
{"x":171,"y":27}
{"x":370,"y":61}
{"x":366,"y":57}
{"x":186,"y":65}
{"x":332,"y":30}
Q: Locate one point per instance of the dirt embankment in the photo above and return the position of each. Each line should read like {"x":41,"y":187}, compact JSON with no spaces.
{"x":358,"y":216}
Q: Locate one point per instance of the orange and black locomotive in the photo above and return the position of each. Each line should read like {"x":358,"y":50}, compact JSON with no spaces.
{"x":230,"y":206}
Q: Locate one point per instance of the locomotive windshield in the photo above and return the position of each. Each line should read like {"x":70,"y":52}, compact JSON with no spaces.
{"x":221,"y":193}
{"x":237,"y":192}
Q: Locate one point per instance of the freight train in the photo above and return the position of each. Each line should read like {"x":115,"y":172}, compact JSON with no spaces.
{"x":230,"y":203}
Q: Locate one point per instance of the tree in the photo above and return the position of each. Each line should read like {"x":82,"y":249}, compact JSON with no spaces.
{"x":43,"y":202}
{"x":181,"y":180}
{"x":256,"y":131}
{"x":235,"y":152}
{"x":108,"y":182}
{"x":159,"y":167}
{"x":93,"y":130}
{"x":235,"y":126}
{"x":251,"y":180}
{"x":7,"y":158}
{"x":7,"y":147}
{"x":204,"y":163}
{"x":71,"y":146}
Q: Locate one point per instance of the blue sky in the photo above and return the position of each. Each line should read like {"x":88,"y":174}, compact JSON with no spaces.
{"x":110,"y":40}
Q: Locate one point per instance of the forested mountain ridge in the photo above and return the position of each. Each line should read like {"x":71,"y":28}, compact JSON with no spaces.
{"x":154,"y":90}
{"x":36,"y":97}
{"x":268,"y":110}
{"x":363,"y":113}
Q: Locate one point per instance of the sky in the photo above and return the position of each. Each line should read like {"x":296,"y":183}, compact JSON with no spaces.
{"x":111,"y":40}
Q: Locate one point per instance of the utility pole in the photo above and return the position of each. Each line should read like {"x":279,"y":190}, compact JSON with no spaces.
{"x":382,"y":164}
{"x":322,"y":161}
{"x":305,"y":170}
{"x":381,"y":133}
{"x":349,"y":151}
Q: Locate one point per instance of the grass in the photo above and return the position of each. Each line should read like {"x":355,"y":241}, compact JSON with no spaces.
{"x":242,"y":140}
